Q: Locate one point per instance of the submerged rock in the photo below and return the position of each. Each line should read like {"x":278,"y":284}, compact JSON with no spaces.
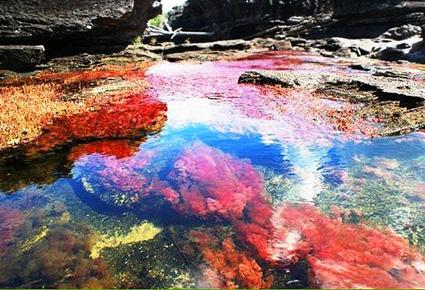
{"x":404,"y":91}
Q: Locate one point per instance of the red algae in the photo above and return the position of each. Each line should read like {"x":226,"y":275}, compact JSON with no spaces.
{"x":214,"y":184}
{"x":339,"y":255}
{"x":229,"y":267}
{"x":135,"y":115}
{"x":209,"y":184}
{"x":363,"y":257}
{"x":129,"y":72}
{"x":32,"y":102}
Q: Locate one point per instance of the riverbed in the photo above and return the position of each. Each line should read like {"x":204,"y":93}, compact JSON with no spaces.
{"x":241,"y":186}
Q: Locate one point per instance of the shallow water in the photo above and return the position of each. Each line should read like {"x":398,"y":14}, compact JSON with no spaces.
{"x":223,"y":178}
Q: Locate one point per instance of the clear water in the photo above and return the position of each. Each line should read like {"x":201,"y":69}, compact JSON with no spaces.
{"x":228,"y":155}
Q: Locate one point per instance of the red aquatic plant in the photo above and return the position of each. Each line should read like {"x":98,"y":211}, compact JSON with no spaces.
{"x":229,"y":267}
{"x":208,"y":183}
{"x":28,"y":103}
{"x":137,"y":113}
{"x":130,"y":71}
{"x":10,"y":221}
{"x":214,"y":184}
{"x":339,"y":255}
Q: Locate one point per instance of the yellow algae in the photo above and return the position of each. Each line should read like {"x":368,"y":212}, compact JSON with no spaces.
{"x":65,"y":218}
{"x":143,"y":232}
{"x":41,"y":234}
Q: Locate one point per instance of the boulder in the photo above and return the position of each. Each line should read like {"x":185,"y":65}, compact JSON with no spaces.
{"x":21,"y":57}
{"x":391,"y":54}
{"x":75,"y":25}
{"x":402,"y":32}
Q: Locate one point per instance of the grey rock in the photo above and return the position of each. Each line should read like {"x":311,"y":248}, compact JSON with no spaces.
{"x":362,"y":67}
{"x":388,"y":86}
{"x":402,"y":32}
{"x":21,"y":57}
{"x":61,"y":24}
{"x":391,"y":54}
{"x":239,"y":18}
{"x":404,"y":45}
{"x":223,"y":45}
{"x":282,"y":45}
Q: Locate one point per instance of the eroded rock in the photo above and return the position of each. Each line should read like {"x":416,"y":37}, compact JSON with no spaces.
{"x":21,"y":57}
{"x":74,"y":25}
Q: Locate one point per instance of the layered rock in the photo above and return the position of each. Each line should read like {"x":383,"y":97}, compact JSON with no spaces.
{"x":363,"y":18}
{"x":230,"y":19}
{"x":239,"y":18}
{"x":84,"y":24}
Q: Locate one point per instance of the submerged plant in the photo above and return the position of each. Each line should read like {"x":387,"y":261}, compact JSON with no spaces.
{"x":139,"y":233}
{"x":60,"y":259}
{"x":229,"y":267}
{"x":214,"y":184}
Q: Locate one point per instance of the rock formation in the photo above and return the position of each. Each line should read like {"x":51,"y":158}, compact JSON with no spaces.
{"x":239,"y":18}
{"x":75,"y":25}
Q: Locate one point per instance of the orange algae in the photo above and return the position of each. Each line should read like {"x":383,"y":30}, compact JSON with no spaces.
{"x":29,"y":104}
{"x":229,"y":267}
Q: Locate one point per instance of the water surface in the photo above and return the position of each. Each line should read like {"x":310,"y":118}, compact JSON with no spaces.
{"x":237,"y":189}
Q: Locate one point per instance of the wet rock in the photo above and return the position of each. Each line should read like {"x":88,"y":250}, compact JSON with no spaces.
{"x":282,"y":45}
{"x":417,"y":53}
{"x":383,"y":87}
{"x":362,"y":67}
{"x":21,"y":57}
{"x":86,"y":24}
{"x":391,"y":54}
{"x":237,"y":44}
{"x":383,"y":93}
{"x":402,"y":32}
{"x":261,"y":78}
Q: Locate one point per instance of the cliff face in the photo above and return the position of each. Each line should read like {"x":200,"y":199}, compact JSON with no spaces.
{"x":77,"y":23}
{"x":232,"y":18}
{"x":240,"y":17}
{"x":371,"y":18}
